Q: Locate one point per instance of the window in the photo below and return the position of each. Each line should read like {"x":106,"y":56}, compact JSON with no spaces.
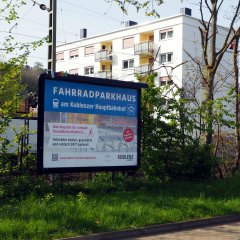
{"x":167,"y":33}
{"x":166,"y":57}
{"x":165,"y":80}
{"x":73,"y":71}
{"x":170,"y":34}
{"x":163,"y":35}
{"x":73,"y":53}
{"x":128,"y":64}
{"x":89,"y":50}
{"x":103,"y":67}
{"x":128,"y":42}
{"x":59,"y":56}
{"x":89,"y":70}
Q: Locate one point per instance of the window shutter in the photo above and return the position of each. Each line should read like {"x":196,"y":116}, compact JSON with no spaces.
{"x":73,"y":53}
{"x":73,"y":71}
{"x":89,"y":50}
{"x":128,"y":42}
{"x":60,"y":56}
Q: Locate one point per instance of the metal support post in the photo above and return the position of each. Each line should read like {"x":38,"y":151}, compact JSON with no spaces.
{"x":52,"y":35}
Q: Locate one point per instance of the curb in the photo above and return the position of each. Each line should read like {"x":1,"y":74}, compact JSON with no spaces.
{"x":157,"y":229}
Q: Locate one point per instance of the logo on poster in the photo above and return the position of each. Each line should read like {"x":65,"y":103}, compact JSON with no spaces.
{"x":128,"y":135}
{"x":130,"y":109}
{"x":55,"y":103}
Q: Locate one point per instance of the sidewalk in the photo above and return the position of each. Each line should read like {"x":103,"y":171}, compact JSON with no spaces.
{"x":216,"y":228}
{"x":220,"y":232}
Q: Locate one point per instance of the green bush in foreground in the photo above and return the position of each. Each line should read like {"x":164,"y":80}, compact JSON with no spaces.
{"x":45,"y":212}
{"x":172,"y":145}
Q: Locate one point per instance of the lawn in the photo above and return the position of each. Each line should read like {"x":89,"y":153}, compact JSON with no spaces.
{"x":31,"y":209}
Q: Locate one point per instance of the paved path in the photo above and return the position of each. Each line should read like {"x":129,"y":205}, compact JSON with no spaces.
{"x":220,"y":232}
{"x":216,"y":228}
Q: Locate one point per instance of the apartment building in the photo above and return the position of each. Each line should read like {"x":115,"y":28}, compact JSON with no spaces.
{"x":162,"y":45}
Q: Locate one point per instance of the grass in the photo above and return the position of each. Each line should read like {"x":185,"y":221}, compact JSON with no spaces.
{"x":31,"y":210}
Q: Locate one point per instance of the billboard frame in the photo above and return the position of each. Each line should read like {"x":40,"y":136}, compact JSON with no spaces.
{"x":89,"y":81}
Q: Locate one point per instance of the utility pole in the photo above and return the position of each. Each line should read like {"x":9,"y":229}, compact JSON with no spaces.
{"x":52,"y":25}
{"x":52,"y":46}
{"x":52,"y":35}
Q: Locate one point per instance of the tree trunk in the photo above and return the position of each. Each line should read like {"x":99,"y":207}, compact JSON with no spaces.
{"x":209,"y":103}
{"x":236,"y":89}
{"x":211,"y":70}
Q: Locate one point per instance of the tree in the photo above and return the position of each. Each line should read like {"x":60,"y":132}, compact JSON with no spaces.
{"x":169,"y":149}
{"x":11,"y":68}
{"x":212,"y":111}
{"x":237,"y":102}
{"x":212,"y":54}
{"x":146,"y":5}
{"x":9,"y":14}
{"x":11,"y":87}
{"x":217,"y":111}
{"x":30,"y":76}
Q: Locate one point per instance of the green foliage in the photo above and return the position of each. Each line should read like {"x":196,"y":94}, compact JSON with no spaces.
{"x":10,"y":88}
{"x":48,"y":197}
{"x":110,"y":182}
{"x":34,"y":210}
{"x":12,"y":91}
{"x":11,"y":68}
{"x":9,"y":13}
{"x":193,"y":161}
{"x":149,"y":7}
{"x":17,"y":187}
{"x":9,"y":9}
{"x":15,"y":157}
{"x":169,"y":146}
{"x":81,"y":198}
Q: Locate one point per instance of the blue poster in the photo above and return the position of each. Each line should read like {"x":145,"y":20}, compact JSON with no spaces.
{"x":87,"y":125}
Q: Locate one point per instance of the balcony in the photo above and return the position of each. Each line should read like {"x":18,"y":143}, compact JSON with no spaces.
{"x":143,"y":69}
{"x":103,"y":74}
{"x":103,"y":55}
{"x":144,"y":48}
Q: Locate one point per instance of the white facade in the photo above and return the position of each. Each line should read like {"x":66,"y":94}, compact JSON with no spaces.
{"x":162,"y":44}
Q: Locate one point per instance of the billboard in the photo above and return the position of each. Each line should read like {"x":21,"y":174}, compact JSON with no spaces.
{"x":88,"y":124}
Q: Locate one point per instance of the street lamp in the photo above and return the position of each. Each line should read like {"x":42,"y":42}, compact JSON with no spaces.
{"x":51,"y":32}
{"x":42,"y":6}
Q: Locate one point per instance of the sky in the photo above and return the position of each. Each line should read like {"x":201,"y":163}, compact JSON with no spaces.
{"x":97,"y":16}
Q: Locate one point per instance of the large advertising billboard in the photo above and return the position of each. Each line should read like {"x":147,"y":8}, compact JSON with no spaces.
{"x":88,"y":124}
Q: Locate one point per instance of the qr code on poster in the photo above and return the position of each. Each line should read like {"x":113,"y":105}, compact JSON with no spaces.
{"x":54,"y":157}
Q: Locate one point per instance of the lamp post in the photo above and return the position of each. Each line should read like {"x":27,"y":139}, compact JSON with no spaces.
{"x":52,"y":35}
{"x":52,"y":25}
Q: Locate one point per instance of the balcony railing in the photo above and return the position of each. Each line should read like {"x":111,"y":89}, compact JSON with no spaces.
{"x":142,"y":69}
{"x":144,"y":48}
{"x":103,"y":74}
{"x":103,"y":55}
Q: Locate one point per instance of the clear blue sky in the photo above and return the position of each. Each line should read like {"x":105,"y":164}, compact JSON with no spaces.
{"x":97,"y":16}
